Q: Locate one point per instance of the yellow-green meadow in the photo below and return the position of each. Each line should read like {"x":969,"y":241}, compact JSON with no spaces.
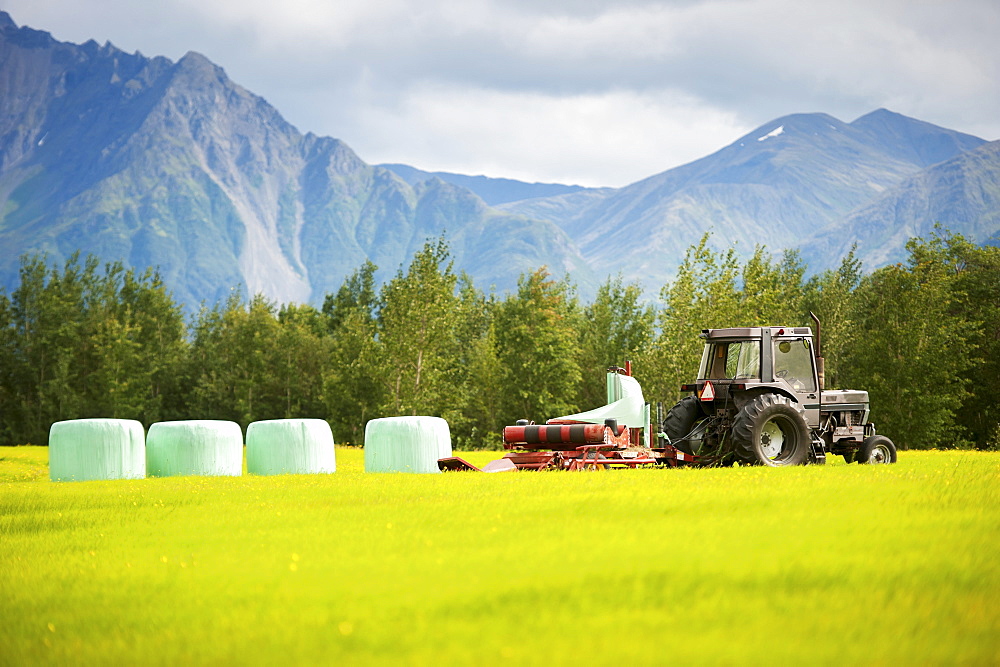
{"x":830,"y":564}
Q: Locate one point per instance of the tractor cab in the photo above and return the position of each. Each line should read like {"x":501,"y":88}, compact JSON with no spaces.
{"x":742,"y":362}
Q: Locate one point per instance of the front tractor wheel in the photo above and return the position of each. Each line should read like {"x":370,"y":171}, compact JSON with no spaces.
{"x":771,"y":430}
{"x":877,"y":449}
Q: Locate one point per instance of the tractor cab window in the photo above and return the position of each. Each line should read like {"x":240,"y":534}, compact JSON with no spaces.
{"x":793,"y":363}
{"x":733,"y":361}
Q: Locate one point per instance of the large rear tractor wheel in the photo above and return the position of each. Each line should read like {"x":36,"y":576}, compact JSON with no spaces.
{"x":680,"y":422}
{"x":877,"y":449}
{"x":771,"y":430}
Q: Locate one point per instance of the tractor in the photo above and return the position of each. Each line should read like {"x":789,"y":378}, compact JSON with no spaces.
{"x":758,"y":400}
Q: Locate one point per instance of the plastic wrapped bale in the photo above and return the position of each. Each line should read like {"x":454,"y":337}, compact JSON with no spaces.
{"x":625,"y":404}
{"x":197,"y":447}
{"x":86,"y":449}
{"x":406,"y":444}
{"x":290,"y":446}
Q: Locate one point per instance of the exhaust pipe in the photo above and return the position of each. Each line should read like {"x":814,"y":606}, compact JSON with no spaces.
{"x":820,"y":362}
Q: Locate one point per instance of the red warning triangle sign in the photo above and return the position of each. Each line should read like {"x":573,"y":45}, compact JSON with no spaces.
{"x":708,"y":392}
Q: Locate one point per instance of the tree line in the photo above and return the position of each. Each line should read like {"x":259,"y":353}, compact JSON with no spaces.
{"x":92,"y":340}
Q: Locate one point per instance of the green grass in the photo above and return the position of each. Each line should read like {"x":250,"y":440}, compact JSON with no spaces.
{"x":813,"y":565}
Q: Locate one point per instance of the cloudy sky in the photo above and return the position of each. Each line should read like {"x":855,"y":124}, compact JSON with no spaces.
{"x":573,"y":91}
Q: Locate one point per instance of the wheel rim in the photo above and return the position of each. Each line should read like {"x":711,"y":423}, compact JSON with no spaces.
{"x":880,"y":454}
{"x":772,"y":440}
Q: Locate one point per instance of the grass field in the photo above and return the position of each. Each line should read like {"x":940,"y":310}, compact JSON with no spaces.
{"x":814,"y":565}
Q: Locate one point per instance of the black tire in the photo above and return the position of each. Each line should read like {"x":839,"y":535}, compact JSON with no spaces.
{"x":680,"y":421}
{"x":877,"y":449}
{"x":771,"y":430}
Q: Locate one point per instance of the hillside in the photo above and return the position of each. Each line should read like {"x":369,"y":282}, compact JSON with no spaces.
{"x":776,"y":186}
{"x":174,"y":165}
{"x":493,"y":191}
{"x":961,"y":194}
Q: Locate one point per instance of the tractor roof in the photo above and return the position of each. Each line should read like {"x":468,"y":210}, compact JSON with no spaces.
{"x":744,"y":333}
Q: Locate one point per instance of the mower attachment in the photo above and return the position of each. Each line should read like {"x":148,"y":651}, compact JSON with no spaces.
{"x":456,"y":463}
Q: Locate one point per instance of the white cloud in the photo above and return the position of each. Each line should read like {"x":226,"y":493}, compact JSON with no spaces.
{"x":596,"y":91}
{"x":622,"y":33}
{"x":609,"y":138}
{"x":297,"y":25}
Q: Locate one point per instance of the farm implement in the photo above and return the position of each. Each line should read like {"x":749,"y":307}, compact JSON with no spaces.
{"x":758,"y":400}
{"x":616,"y":435}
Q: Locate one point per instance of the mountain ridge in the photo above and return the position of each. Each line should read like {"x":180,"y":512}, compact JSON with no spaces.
{"x":173,"y":165}
{"x":960,"y":193}
{"x":493,"y":191}
{"x":774,"y":186}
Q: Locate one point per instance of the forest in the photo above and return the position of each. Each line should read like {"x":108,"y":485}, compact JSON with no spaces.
{"x":87,"y":339}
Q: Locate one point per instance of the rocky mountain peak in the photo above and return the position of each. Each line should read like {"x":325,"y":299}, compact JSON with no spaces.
{"x":914,"y":140}
{"x":176,"y":166}
{"x":194,"y":62}
{"x":6,"y":22}
{"x":25,"y":37}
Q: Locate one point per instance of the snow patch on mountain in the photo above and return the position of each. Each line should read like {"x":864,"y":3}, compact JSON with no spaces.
{"x":773,"y":133}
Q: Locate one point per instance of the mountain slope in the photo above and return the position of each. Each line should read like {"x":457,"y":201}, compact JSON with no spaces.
{"x":775,"y":186}
{"x":174,"y":165}
{"x":961,"y":194}
{"x":493,"y":191}
{"x":914,"y":140}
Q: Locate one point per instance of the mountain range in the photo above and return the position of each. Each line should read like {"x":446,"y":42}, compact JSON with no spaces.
{"x":173,"y":165}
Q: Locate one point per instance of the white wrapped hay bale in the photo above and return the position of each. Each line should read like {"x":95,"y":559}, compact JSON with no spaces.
{"x":196,"y":447}
{"x":290,"y":446}
{"x":406,"y":444}
{"x":625,"y":404}
{"x":85,"y":449}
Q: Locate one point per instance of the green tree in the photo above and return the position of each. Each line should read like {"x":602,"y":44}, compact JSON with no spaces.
{"x":81,"y":343}
{"x":911,"y":352}
{"x":416,"y":334}
{"x":704,"y":295}
{"x":8,"y":355}
{"x":771,"y":293}
{"x":974,"y":273}
{"x":351,"y":385}
{"x":47,"y":342}
{"x":475,"y":413}
{"x":356,"y":294}
{"x":616,"y":327}
{"x":136,"y":344}
{"x":536,"y":347}
{"x":232,"y":357}
{"x":353,"y":393}
{"x":300,"y":359}
{"x":830,"y":296}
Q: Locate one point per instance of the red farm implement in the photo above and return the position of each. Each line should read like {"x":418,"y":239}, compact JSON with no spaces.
{"x":617,"y":435}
